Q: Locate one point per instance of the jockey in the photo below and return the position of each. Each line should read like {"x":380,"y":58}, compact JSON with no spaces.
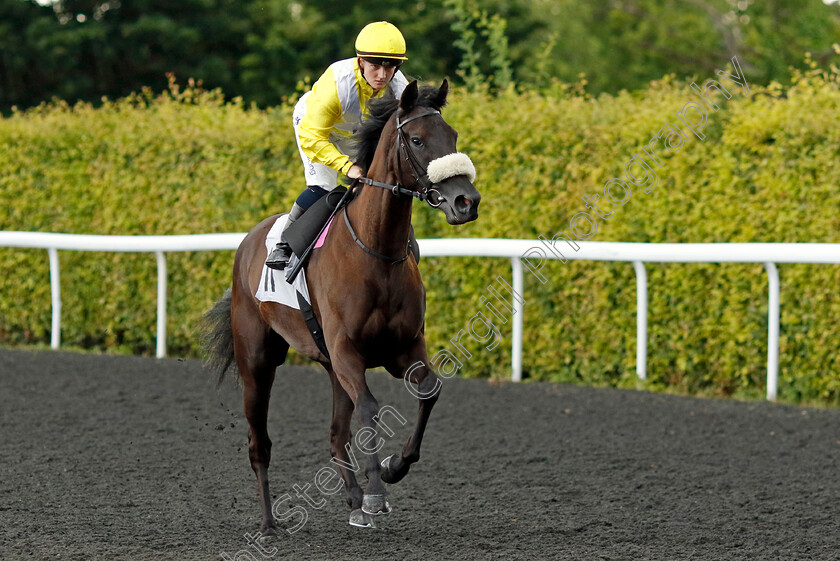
{"x":326,"y":117}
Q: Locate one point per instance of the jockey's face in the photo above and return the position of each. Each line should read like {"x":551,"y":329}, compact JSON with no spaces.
{"x":376,"y":75}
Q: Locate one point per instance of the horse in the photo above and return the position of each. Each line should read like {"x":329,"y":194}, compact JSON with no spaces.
{"x":366,"y":292}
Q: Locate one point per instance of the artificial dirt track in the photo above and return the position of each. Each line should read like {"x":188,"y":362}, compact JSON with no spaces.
{"x":130,"y":458}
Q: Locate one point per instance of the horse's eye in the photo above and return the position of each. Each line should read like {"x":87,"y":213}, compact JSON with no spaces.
{"x":415,"y":140}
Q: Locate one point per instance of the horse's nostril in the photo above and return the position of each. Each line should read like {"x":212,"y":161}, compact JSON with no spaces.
{"x":462,"y":203}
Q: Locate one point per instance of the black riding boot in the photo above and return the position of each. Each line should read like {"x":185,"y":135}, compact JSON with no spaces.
{"x":282,"y":252}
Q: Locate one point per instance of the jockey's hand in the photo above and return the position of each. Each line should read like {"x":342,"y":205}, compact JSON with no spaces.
{"x":355,"y":172}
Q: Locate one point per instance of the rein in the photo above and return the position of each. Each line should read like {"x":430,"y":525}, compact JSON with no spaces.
{"x":389,"y":260}
{"x":400,"y":190}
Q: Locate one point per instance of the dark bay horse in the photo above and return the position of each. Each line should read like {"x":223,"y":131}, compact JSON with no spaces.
{"x":366,"y":293}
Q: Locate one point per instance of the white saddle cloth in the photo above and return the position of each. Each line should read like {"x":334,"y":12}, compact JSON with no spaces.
{"x":273,"y":286}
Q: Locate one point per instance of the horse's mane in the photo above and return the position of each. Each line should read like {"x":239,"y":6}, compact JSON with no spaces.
{"x":379,"y":111}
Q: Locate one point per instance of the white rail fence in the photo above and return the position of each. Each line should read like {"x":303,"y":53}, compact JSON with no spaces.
{"x":516,"y":251}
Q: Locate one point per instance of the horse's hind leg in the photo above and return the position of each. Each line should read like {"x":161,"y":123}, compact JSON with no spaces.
{"x":258,"y":352}
{"x":394,"y":468}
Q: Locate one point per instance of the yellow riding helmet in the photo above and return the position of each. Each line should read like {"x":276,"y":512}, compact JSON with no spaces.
{"x":381,"y":40}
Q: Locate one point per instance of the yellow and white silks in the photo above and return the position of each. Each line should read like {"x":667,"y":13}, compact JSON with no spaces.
{"x":326,"y":117}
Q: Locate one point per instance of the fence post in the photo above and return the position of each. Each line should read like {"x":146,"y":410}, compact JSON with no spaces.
{"x":772,"y":331}
{"x":161,"y":304}
{"x":518,"y":312}
{"x":55,"y":294}
{"x":641,"y":319}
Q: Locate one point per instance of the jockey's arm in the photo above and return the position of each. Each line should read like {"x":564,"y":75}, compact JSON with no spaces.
{"x":323,"y":110}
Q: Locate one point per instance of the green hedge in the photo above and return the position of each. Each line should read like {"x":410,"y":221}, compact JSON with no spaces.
{"x":189,"y":162}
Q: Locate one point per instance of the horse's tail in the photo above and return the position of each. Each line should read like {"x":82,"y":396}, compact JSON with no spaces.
{"x":217,"y":337}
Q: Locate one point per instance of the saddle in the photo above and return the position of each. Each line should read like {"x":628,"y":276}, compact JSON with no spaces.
{"x":305,"y":231}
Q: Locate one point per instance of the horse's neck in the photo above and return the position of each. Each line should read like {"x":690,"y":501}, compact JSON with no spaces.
{"x":381,"y":219}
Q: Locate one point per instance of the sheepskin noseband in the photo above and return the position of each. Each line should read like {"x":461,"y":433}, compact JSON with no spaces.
{"x":449,"y":166}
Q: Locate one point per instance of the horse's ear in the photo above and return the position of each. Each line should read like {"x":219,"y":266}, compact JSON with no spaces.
{"x":443,"y":91}
{"x":409,"y":97}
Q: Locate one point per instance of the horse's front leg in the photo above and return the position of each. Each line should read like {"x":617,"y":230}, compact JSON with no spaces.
{"x":415,"y":371}
{"x":340,"y":434}
{"x":350,"y":372}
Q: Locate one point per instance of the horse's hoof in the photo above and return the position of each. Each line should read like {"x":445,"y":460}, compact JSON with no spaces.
{"x":385,"y":472}
{"x":375,"y":505}
{"x":360,"y":519}
{"x":386,"y":463}
{"x":267,"y":535}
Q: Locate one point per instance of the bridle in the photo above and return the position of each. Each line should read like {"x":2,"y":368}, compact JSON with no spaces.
{"x":420,"y":177}
{"x":416,"y":168}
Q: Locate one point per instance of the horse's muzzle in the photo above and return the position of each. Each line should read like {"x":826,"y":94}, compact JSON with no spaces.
{"x":467,"y":208}
{"x":461,"y":199}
